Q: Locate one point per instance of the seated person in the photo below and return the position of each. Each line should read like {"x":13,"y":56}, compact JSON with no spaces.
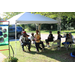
{"x":68,"y":36}
{"x":49,"y":39}
{"x":71,"y":37}
{"x":38,"y":41}
{"x":59,"y":38}
{"x":33,"y":38}
{"x":25,"y":41}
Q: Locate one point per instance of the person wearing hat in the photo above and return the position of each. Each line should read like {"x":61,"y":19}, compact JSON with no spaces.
{"x":25,"y":41}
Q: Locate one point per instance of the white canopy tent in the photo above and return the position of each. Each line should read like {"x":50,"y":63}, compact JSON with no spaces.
{"x":29,"y":18}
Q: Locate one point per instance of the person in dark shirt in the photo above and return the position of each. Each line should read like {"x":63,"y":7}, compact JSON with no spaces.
{"x":59,"y":38}
{"x":49,"y":39}
{"x":67,"y":37}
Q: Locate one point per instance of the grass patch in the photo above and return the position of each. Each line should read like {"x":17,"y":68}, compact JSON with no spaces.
{"x":49,"y":55}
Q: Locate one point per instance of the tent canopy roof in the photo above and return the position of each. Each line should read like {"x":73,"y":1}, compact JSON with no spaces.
{"x":29,"y":18}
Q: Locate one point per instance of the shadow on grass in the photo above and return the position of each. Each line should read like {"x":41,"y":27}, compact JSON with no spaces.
{"x":62,"y":55}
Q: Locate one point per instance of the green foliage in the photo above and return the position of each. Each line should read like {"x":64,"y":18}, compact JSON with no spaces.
{"x":11,"y":59}
{"x":23,"y":26}
{"x":48,"y":26}
{"x":8,"y":15}
{"x":56,"y":14}
{"x":28,"y":26}
{"x":68,"y":23}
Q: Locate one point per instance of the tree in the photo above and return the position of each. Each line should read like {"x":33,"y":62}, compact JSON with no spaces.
{"x":56,"y":14}
{"x":8,"y":15}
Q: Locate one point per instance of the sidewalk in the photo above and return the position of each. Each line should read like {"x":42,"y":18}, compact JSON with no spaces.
{"x":2,"y":57}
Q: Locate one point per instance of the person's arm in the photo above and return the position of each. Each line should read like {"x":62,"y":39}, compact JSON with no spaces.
{"x":36,"y":38}
{"x":20,"y":39}
{"x":49,"y":36}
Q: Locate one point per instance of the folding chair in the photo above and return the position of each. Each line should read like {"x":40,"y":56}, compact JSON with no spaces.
{"x":20,"y":47}
{"x":54,"y":44}
{"x":66,"y":45}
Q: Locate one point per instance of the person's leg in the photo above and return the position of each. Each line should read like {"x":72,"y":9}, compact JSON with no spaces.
{"x":29,"y":45}
{"x":59,"y":45}
{"x":37,"y":46}
{"x":23,"y":46}
{"x":47,"y":42}
{"x":42,"y":45}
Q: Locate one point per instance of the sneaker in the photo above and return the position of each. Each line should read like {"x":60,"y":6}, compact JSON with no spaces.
{"x":24,"y":51}
{"x":41,"y":50}
{"x":37,"y":51}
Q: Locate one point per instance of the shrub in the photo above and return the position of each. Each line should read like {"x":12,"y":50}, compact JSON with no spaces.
{"x":11,"y":59}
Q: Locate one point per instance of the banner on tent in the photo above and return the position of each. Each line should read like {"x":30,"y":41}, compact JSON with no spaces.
{"x":3,"y":35}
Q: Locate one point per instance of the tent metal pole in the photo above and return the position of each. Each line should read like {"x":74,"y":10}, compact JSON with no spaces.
{"x":15,"y":39}
{"x":36,"y":26}
{"x":8,"y":39}
{"x":60,"y":21}
{"x":39,"y":27}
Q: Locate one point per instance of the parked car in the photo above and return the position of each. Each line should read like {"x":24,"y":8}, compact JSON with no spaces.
{"x":12,"y":31}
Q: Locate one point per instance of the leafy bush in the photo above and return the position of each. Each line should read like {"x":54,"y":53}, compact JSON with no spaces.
{"x":12,"y":59}
{"x":70,"y":28}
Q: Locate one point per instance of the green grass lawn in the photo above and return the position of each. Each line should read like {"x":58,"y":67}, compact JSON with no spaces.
{"x":49,"y":55}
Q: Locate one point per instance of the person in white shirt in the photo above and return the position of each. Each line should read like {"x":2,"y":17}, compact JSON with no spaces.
{"x":32,"y":38}
{"x":24,"y":41}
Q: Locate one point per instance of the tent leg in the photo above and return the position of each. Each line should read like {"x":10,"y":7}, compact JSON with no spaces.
{"x":8,"y":39}
{"x":39,"y":27}
{"x":36,"y":26}
{"x":15,"y":39}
